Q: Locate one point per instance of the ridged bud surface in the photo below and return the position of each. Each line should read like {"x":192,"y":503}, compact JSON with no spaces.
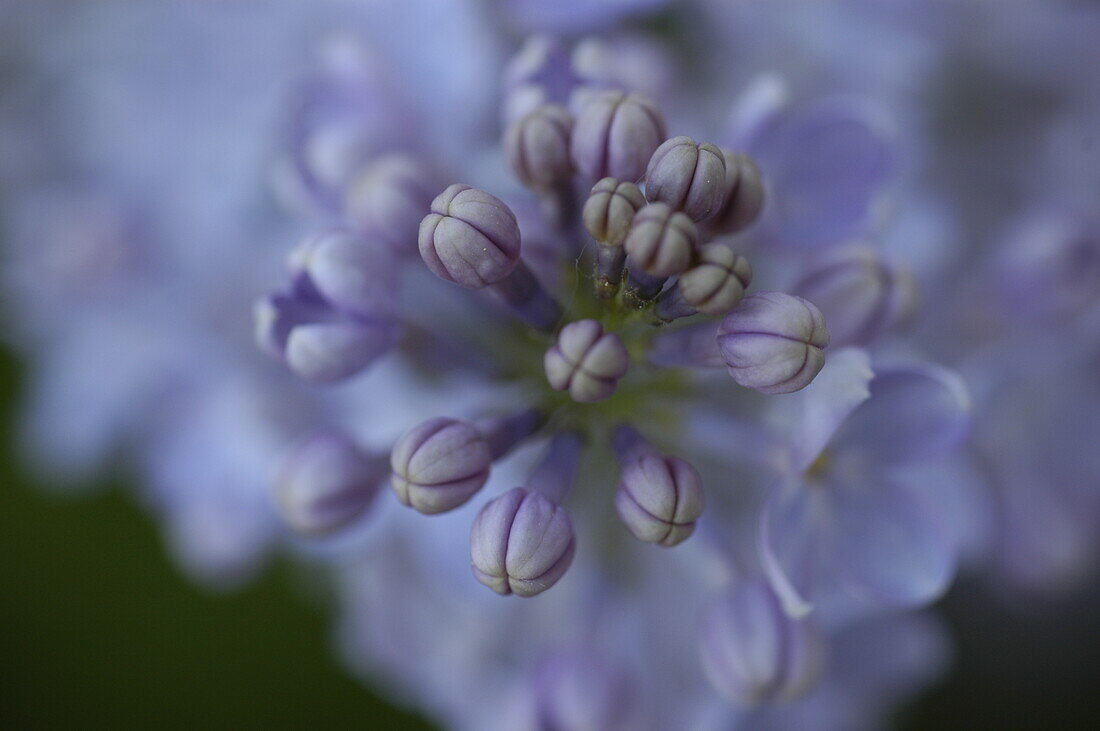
{"x":661,"y":241}
{"x":773,"y":342}
{"x":687,"y":175}
{"x":717,"y":283}
{"x":615,"y":136}
{"x":537,"y":147}
{"x":521,"y":543}
{"x":659,"y":499}
{"x":439,"y":465}
{"x":609,"y":210}
{"x":326,"y":482}
{"x":470,"y":237}
{"x":586,"y":361}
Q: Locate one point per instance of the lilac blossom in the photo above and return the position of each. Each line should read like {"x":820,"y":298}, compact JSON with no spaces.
{"x":839,"y":525}
{"x":845,"y":506}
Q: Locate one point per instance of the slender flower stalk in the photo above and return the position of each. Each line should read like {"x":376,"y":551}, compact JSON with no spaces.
{"x":608,"y":214}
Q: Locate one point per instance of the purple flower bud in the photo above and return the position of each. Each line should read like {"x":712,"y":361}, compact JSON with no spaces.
{"x":522,"y":543}
{"x":470,"y":238}
{"x":659,"y":498}
{"x":439,"y":465}
{"x":539,"y":73}
{"x":586,"y":361}
{"x":338,"y":318}
{"x":609,"y":210}
{"x":325,"y":482}
{"x":752,"y":651}
{"x":537,"y":146}
{"x":717,"y":283}
{"x":743,"y":197}
{"x":859,"y":295}
{"x":773,"y":342}
{"x":661,"y":241}
{"x":615,"y":135}
{"x":389,"y":197}
{"x":342,"y":269}
{"x":689,"y":176}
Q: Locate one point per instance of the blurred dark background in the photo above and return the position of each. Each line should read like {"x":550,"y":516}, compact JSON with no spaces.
{"x":97,"y":630}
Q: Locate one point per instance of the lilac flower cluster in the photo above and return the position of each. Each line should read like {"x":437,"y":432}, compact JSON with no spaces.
{"x":717,"y":344}
{"x":648,"y":286}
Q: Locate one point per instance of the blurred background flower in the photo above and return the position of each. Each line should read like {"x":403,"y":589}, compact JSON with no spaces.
{"x":908,"y":541}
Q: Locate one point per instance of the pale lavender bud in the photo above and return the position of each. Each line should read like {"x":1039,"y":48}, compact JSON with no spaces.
{"x":325,"y":482}
{"x":327,"y":352}
{"x":773,"y":342}
{"x":743,"y":197}
{"x":661,"y":241}
{"x":659,"y":498}
{"x":470,"y":237}
{"x":341,"y":268}
{"x":586,"y":361}
{"x":388,"y":197}
{"x":859,"y":295}
{"x":540,"y":72}
{"x":338,"y":316}
{"x":752,"y":651}
{"x":609,"y":210}
{"x":688,"y":176}
{"x":521,"y":543}
{"x":717,"y":282}
{"x":537,"y":146}
{"x":607,"y":215}
{"x":439,"y":465}
{"x":615,"y":135}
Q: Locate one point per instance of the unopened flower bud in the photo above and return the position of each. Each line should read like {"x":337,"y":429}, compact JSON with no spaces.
{"x":659,"y":498}
{"x":439,"y":465}
{"x":661,"y":241}
{"x":609,"y":210}
{"x":326,"y":482}
{"x":773,"y":342}
{"x":688,"y":176}
{"x":521,"y":543}
{"x":859,"y":295}
{"x":717,"y":283}
{"x":340,"y":267}
{"x":752,"y":652}
{"x":586,"y":361}
{"x":743,"y":198}
{"x":388,"y":197}
{"x":537,"y":146}
{"x":470,"y":238}
{"x":615,"y":135}
{"x":338,"y":316}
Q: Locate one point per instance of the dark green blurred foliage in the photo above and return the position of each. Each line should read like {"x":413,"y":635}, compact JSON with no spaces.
{"x":99,"y":630}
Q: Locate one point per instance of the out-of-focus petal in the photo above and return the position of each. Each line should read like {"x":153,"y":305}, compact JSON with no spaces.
{"x":889,"y":547}
{"x":823,"y":406}
{"x":916,"y":411}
